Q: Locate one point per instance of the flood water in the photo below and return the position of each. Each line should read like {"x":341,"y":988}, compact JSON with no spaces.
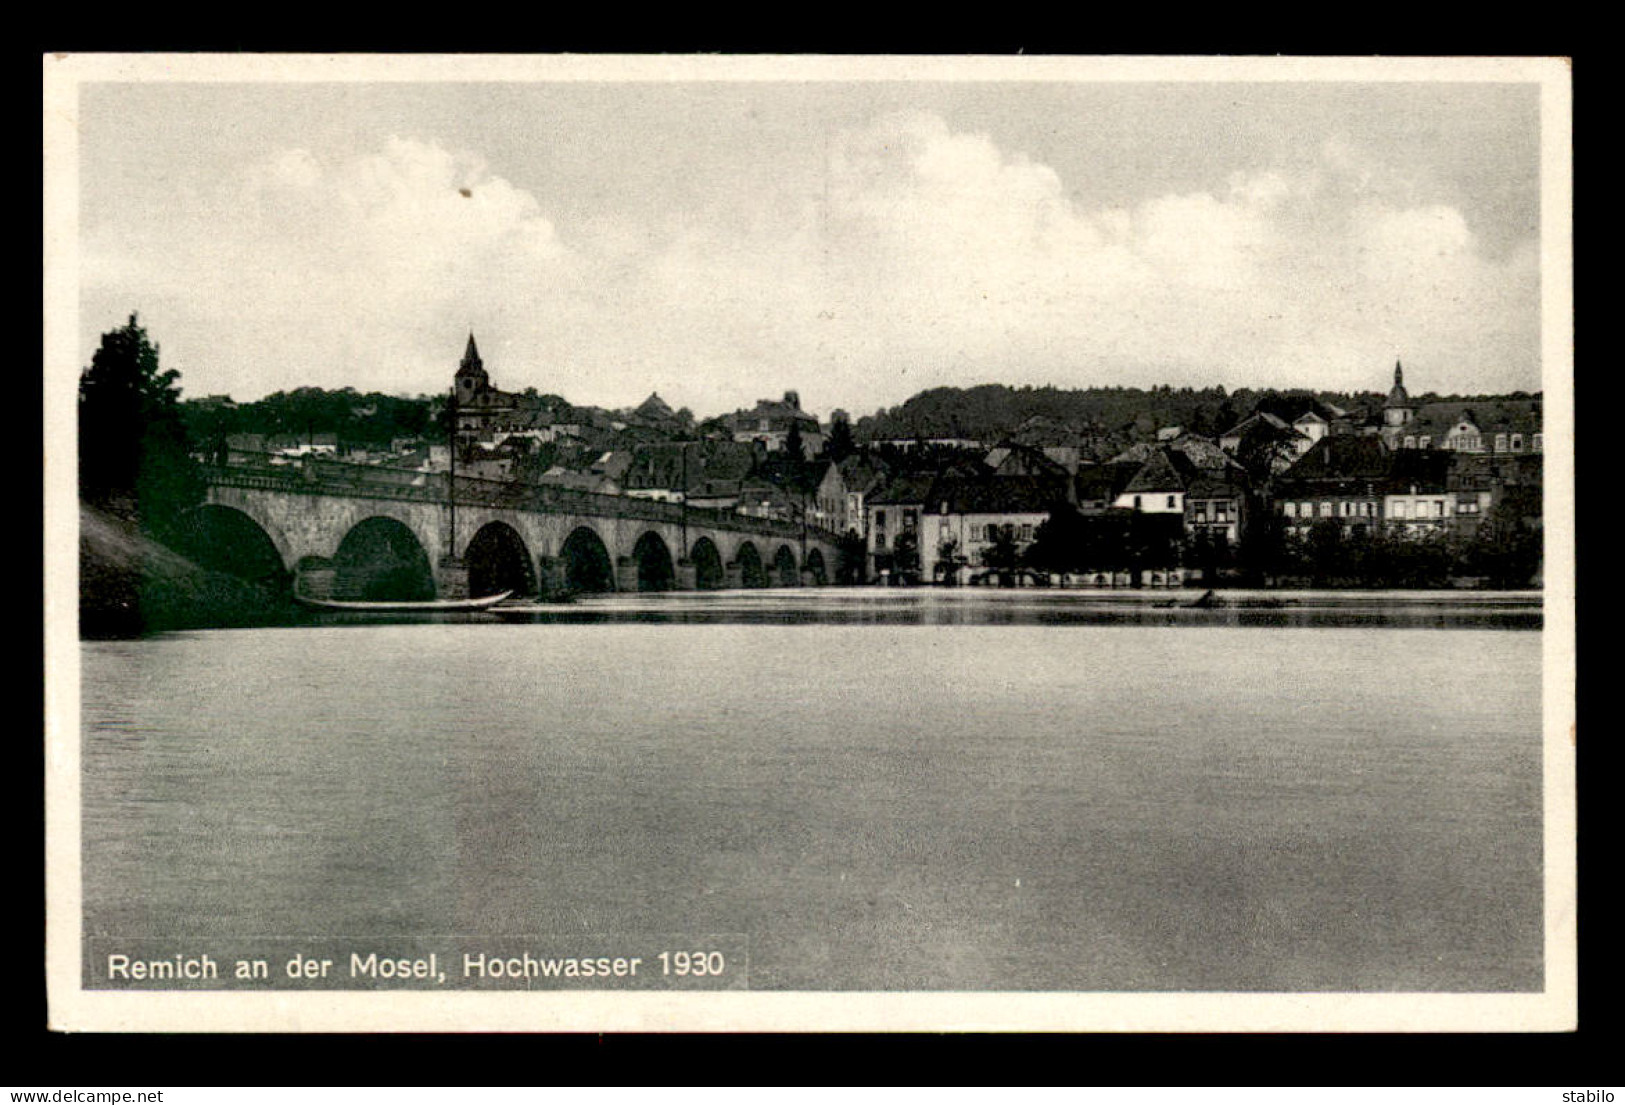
{"x":864,"y":790}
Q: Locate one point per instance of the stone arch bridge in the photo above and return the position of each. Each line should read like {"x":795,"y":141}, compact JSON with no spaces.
{"x":352,"y":531}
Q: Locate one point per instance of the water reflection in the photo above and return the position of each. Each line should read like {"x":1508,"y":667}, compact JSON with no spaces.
{"x":932,"y":606}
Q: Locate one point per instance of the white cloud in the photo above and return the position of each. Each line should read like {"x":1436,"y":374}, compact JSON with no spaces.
{"x":922,"y":256}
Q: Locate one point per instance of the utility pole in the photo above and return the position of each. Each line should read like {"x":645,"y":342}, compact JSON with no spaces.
{"x":451,"y":478}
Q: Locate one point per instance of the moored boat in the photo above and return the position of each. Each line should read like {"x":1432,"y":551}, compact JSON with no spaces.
{"x":430,"y":606}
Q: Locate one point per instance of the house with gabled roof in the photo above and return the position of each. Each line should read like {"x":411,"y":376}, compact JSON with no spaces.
{"x":1159,"y":486}
{"x":1265,"y":443}
{"x":1014,"y":459}
{"x":861,"y":475}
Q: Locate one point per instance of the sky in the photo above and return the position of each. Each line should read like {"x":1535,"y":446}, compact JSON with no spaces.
{"x":718,"y":242}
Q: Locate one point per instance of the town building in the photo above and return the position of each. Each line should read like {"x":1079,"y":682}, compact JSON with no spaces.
{"x":1158,"y":487}
{"x":771,"y":421}
{"x":1476,"y":426}
{"x":861,"y":476}
{"x":1265,"y":443}
{"x":1343,"y":478}
{"x":966,"y":517}
{"x":893,"y":532}
{"x":1362,"y":485}
{"x":1214,"y":503}
{"x":481,"y":407}
{"x":1499,"y":426}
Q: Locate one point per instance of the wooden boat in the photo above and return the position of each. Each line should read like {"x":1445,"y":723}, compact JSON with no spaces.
{"x":432,"y":606}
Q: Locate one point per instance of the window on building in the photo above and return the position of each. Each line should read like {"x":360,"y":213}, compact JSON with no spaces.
{"x":1410,"y":441}
{"x":1026,"y":532}
{"x":1326,"y":509}
{"x":1537,"y":439}
{"x":1517,"y":443}
{"x":1500,"y":443}
{"x":1438,"y":508}
{"x":1199,"y":512}
{"x":1137,"y":502}
{"x":1368,"y":509}
{"x":910,"y":519}
{"x":1424,"y":442}
{"x":1290,"y":509}
{"x":1466,"y":506}
{"x":1171,"y":503}
{"x":1402,"y":509}
{"x":880,"y":519}
{"x":1348,"y":509}
{"x":1221,"y":512}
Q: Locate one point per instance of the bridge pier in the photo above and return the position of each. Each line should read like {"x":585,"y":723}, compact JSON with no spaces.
{"x":688,"y":576}
{"x":626,"y":574}
{"x":451,"y":578}
{"x":551,"y":578}
{"x":808,"y":578}
{"x":315,"y":583}
{"x":733,"y":575}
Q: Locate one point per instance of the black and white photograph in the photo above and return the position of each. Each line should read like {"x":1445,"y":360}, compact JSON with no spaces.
{"x":792,"y":543}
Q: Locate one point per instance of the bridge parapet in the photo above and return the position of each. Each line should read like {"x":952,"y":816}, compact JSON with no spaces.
{"x":327,"y":477}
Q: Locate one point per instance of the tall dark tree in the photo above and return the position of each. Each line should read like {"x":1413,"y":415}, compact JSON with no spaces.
{"x":793,"y":443}
{"x":840,"y":444}
{"x":134,"y":450}
{"x":1003,"y":555}
{"x":851,"y":555}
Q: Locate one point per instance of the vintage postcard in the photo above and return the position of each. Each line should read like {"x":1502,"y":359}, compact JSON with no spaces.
{"x":633,"y":543}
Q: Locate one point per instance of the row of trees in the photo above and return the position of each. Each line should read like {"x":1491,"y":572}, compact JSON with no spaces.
{"x":364,"y":419}
{"x":1505,"y":551}
{"x":990,"y":411}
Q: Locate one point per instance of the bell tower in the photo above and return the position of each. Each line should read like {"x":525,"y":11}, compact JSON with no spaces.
{"x":1399,"y":409}
{"x":471,"y":377}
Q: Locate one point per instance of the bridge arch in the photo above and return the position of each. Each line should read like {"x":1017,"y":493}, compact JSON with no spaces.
{"x":785,"y":572}
{"x":815,"y":567}
{"x":381,"y":559}
{"x":498,"y":560}
{"x":752,"y":573}
{"x":654,"y":563}
{"x":225,"y":539}
{"x":709,"y":574}
{"x":587,"y":566}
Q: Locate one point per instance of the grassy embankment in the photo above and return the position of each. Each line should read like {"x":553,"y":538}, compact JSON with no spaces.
{"x":130,"y":585}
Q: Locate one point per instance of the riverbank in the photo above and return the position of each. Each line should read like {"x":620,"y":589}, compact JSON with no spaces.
{"x":131,"y":585}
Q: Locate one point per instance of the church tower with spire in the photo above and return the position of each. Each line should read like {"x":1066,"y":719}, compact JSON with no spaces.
{"x":1399,"y":409}
{"x":471,"y":379}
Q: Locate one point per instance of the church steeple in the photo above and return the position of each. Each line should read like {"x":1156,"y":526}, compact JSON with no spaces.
{"x":1397,"y":411}
{"x":472,"y":365}
{"x":1397,"y":397}
{"x":471,"y":378}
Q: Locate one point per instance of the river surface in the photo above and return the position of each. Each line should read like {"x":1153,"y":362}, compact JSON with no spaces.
{"x":852,"y":790}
